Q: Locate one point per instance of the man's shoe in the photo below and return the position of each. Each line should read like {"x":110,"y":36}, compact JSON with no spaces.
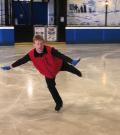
{"x":75,"y":62}
{"x":80,"y":74}
{"x":58,"y":107}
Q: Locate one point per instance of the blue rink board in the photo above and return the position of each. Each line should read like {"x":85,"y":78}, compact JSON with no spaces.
{"x":76,"y":35}
{"x":7,"y":36}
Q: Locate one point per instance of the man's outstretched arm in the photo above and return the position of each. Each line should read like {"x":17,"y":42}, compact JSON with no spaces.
{"x":58,"y":54}
{"x":19,"y":62}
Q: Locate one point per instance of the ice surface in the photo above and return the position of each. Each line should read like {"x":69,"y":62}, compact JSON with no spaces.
{"x":91,"y":104}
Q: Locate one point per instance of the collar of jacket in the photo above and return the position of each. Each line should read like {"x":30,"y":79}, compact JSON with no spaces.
{"x":36,"y":54}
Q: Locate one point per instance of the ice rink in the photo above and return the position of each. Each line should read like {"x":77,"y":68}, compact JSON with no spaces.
{"x":91,"y":103}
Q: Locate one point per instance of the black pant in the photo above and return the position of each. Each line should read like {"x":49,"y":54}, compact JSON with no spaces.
{"x":51,"y":82}
{"x":71,"y":69}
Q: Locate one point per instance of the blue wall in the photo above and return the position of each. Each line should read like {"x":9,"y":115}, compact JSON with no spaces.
{"x":40,"y":13}
{"x":22,"y":11}
{"x":95,"y":35}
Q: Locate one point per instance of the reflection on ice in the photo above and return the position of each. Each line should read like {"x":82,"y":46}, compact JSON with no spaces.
{"x":29,"y":86}
{"x":104,"y":78}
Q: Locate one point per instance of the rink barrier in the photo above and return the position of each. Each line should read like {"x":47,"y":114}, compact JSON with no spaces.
{"x":7,"y":36}
{"x":77,"y":35}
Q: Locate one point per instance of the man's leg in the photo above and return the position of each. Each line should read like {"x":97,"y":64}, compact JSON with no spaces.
{"x":51,"y":86}
{"x":71,"y":69}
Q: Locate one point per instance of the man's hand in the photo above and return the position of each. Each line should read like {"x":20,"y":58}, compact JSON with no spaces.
{"x":6,"y":68}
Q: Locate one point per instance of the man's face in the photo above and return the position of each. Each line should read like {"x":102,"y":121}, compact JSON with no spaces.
{"x":39,"y":45}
